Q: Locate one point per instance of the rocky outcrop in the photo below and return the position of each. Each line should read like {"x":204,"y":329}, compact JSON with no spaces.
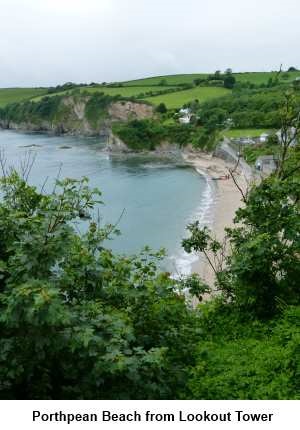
{"x":127,"y":110}
{"x":71,"y":119}
{"x":115,"y":144}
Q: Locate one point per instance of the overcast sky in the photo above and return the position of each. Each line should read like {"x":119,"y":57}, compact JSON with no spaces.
{"x":46,"y":42}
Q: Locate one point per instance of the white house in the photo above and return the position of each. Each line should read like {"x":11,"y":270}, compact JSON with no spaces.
{"x":185,"y":116}
{"x":229,"y":122}
{"x":263,"y":137}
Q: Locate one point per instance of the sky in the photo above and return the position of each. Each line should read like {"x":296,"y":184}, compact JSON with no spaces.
{"x":47,"y":42}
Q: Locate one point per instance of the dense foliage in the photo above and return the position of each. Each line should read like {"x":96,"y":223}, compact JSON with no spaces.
{"x":246,"y":109}
{"x":250,"y":344}
{"x":46,"y":109}
{"x":97,"y":105}
{"x":77,"y":321}
{"x":242,"y":358}
{"x":148,"y":134}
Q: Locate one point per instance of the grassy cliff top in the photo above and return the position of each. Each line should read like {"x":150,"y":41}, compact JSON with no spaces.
{"x":14,"y":95}
{"x":167,"y":89}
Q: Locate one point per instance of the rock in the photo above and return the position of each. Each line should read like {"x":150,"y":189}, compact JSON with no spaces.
{"x":115,"y":144}
{"x":127,"y":110}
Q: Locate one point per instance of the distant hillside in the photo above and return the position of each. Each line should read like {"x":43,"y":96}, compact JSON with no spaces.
{"x":173,"y":90}
{"x":14,"y":95}
{"x":144,"y":114}
{"x":252,"y":77}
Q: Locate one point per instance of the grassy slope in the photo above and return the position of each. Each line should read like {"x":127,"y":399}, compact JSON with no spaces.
{"x":263,"y":77}
{"x":126,"y":91}
{"x":177,"y":99}
{"x":254,"y":77}
{"x":113,"y":91}
{"x":12,"y":95}
{"x":249,"y":132}
{"x":170,"y":79}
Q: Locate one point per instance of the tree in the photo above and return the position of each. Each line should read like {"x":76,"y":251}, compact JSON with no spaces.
{"x":161,"y":108}
{"x":292,"y":69}
{"x":163,"y":82}
{"x":229,"y":81}
{"x":296,"y":84}
{"x":198,"y":81}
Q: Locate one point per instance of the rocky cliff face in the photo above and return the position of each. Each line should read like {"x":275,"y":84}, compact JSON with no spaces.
{"x":127,"y":110}
{"x":71,"y":118}
{"x":115,"y":144}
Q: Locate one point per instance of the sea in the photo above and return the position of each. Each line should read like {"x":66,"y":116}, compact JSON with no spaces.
{"x":151,"y":198}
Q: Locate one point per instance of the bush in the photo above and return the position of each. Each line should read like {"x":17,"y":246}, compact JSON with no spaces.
{"x":161,"y":108}
{"x":247,"y":360}
{"x":96,"y":107}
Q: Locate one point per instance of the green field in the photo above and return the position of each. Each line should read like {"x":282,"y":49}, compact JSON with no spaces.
{"x":249,"y":132}
{"x":253,"y":77}
{"x":169,"y":80}
{"x":263,"y":77}
{"x":125,"y":91}
{"x":113,"y":91}
{"x":179,"y":98}
{"x":12,"y":95}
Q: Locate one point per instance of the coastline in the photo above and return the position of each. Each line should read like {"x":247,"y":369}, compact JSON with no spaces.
{"x":227,"y":200}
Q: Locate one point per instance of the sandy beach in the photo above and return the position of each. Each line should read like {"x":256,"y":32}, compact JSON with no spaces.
{"x":228,"y":200}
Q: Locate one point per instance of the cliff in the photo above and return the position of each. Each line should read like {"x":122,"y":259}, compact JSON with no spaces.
{"x":76,"y":115}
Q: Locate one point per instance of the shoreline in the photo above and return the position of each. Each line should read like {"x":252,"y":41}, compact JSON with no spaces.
{"x":227,"y":200}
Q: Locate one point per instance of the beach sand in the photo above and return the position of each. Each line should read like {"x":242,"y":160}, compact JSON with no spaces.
{"x":228,"y":200}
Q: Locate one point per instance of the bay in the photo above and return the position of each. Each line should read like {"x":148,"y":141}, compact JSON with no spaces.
{"x":158,"y":196}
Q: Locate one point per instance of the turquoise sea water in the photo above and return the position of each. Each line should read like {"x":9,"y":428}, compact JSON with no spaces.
{"x":159,"y":196}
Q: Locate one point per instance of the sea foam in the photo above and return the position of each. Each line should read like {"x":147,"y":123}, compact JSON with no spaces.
{"x":182,"y":263}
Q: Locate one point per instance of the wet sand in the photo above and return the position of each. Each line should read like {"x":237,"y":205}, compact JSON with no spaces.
{"x":228,"y":200}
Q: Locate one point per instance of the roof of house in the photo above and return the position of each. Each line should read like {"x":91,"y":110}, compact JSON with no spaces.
{"x":264,"y":158}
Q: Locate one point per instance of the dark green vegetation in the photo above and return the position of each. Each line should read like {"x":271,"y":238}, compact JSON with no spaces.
{"x":251,"y":339}
{"x":246,"y":108}
{"x":96,"y":107}
{"x":149,"y":134}
{"x":242,"y":358}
